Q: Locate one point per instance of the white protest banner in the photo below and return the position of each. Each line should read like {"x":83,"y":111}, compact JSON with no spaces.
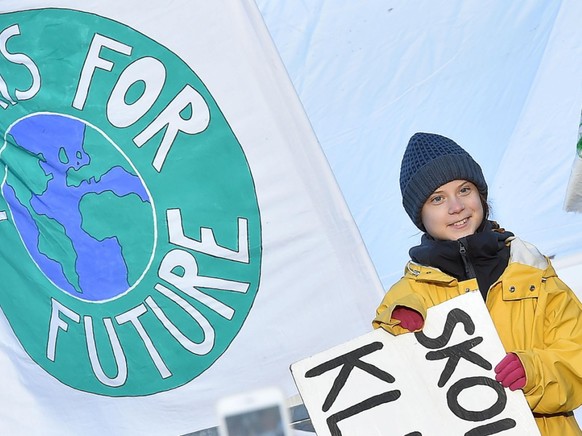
{"x":164,"y":204}
{"x":438,"y":381}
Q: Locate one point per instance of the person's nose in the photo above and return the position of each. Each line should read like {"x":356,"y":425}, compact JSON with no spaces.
{"x":456,"y":205}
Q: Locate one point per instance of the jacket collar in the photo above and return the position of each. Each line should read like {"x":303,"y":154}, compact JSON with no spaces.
{"x":428,"y":274}
{"x":521,"y":252}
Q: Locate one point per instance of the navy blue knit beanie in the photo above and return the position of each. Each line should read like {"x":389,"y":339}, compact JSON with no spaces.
{"x":430,"y":161}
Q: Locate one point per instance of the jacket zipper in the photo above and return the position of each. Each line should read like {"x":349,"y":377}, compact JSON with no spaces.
{"x":469,"y":269}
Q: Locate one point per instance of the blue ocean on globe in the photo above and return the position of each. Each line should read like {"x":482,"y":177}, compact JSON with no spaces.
{"x":78,"y":205}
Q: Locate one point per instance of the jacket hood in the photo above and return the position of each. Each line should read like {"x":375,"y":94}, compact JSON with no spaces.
{"x":527,"y":254}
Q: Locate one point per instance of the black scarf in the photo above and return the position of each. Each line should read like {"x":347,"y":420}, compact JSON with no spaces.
{"x":482,"y":255}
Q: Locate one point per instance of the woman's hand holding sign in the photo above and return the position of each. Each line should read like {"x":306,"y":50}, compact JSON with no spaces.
{"x":510,"y":372}
{"x":409,"y":319}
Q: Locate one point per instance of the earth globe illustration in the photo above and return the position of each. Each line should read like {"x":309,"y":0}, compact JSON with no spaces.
{"x":81,"y":209}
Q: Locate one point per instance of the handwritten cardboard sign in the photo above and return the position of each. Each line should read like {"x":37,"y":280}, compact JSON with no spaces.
{"x":439,"y":381}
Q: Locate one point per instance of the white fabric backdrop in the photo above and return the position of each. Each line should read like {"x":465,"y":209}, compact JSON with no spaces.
{"x":502,"y":79}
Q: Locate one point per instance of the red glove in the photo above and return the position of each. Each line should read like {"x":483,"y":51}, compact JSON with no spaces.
{"x":510,"y":372}
{"x":409,"y":319}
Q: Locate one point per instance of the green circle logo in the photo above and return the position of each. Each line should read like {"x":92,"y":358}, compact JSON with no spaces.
{"x":130,"y":227}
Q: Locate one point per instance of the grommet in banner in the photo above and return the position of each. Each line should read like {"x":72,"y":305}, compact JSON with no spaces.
{"x":512,"y":289}
{"x":467,"y":290}
{"x":532,"y":288}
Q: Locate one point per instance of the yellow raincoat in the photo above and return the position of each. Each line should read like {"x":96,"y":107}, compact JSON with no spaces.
{"x":536,"y":316}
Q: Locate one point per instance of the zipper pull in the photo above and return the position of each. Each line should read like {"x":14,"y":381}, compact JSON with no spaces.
{"x":462,"y":248}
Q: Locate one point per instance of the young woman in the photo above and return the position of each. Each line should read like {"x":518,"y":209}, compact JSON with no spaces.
{"x":537,"y":317}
